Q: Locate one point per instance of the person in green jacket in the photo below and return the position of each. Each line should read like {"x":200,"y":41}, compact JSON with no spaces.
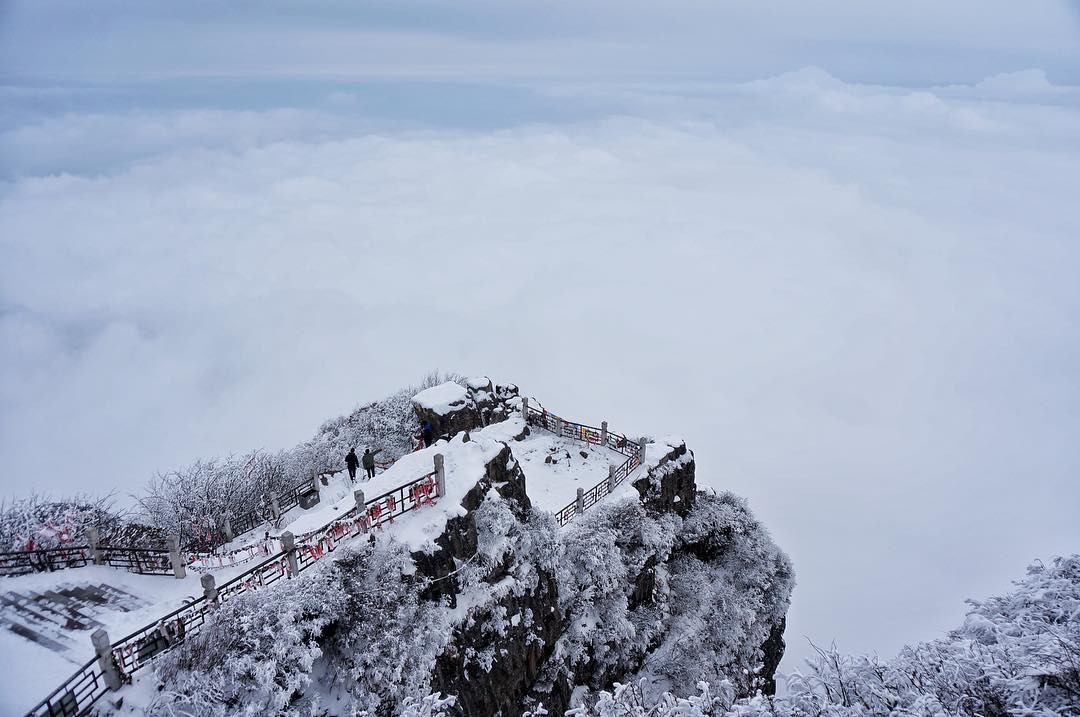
{"x":368,"y":461}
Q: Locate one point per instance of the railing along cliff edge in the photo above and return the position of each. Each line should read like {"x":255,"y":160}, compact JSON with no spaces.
{"x":634,"y":452}
{"x":117,"y":661}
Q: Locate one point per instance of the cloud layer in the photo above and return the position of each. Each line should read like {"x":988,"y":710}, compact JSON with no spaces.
{"x":918,"y":42}
{"x":859,"y":304}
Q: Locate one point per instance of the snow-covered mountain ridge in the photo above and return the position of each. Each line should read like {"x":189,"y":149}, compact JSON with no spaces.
{"x":485,"y":598}
{"x":506,"y":612}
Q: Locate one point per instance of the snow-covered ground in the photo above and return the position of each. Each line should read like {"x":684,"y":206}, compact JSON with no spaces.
{"x":30,"y":671}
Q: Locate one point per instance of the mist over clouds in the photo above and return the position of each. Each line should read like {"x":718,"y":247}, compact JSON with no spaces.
{"x":858,"y":302}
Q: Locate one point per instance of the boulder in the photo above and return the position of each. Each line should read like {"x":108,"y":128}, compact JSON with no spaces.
{"x":452,"y":407}
{"x":448,"y":407}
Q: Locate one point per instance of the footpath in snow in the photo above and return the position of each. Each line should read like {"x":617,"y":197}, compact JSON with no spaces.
{"x":555,"y":467}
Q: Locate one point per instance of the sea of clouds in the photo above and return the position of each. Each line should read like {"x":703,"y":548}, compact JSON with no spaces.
{"x":858,"y":303}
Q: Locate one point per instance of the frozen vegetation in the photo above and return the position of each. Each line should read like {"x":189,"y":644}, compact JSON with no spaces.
{"x":1015,"y":655}
{"x":355,"y":637}
{"x":45,"y":523}
{"x":188,"y":501}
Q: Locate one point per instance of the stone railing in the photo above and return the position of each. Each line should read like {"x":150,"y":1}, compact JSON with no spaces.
{"x":115,"y":662}
{"x":144,"y":561}
{"x":585,"y":499}
{"x":150,"y":561}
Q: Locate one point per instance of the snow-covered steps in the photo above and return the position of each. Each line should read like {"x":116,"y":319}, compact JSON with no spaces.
{"x":54,"y":618}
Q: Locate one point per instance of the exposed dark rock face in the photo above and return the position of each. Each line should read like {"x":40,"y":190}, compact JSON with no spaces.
{"x":644,"y":585}
{"x":494,"y":403}
{"x":513,"y":655}
{"x":493,"y":658}
{"x":670,"y":487}
{"x":448,"y":421}
{"x":458,"y":541}
{"x":773,"y":651}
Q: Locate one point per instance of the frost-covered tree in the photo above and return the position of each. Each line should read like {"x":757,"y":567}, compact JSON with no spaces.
{"x":57,"y":522}
{"x":1015,"y":655}
{"x":353,"y":631}
{"x":720,"y":589}
{"x":190,"y":501}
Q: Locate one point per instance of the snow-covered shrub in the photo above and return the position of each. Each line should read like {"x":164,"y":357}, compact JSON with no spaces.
{"x":630,"y":700}
{"x":256,"y":653}
{"x":603,"y":553}
{"x":730,"y":589}
{"x":351,"y":630}
{"x":429,"y":706}
{"x":55,"y":523}
{"x":502,"y":529}
{"x":1015,"y":655}
{"x":719,"y":588}
{"x":189,"y":501}
{"x":386,"y":639}
{"x":388,"y":424}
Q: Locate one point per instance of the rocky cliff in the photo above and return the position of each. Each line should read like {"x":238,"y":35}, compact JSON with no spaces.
{"x":506,"y":611}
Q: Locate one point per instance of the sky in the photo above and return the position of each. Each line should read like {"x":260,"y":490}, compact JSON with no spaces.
{"x":832,"y":245}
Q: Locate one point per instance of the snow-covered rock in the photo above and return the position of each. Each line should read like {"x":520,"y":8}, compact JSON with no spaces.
{"x":668,"y":485}
{"x":448,"y":407}
{"x":442,"y":399}
{"x":453,"y":407}
{"x":483,"y":597}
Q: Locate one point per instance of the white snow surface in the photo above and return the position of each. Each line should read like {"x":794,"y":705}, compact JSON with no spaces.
{"x":551,"y":486}
{"x":442,"y":398}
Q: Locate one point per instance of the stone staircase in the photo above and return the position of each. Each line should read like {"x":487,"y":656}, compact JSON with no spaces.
{"x":52,"y":618}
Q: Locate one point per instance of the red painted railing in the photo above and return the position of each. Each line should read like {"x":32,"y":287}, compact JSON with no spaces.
{"x":131,"y":653}
{"x":619,"y":443}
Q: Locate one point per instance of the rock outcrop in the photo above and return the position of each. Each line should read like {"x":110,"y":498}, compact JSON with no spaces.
{"x":627,"y":572}
{"x":452,"y":407}
{"x":670,"y":487}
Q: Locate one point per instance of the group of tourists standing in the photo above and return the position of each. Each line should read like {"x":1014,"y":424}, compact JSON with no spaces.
{"x":367,"y":460}
{"x":352,"y":462}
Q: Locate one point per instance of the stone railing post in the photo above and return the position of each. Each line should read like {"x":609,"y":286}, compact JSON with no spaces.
{"x":179,"y":570}
{"x":103,"y":650}
{"x":361,"y":509}
{"x":315,"y":483}
{"x":226,"y":527}
{"x":611,"y":478}
{"x":525,"y":408}
{"x":209,"y":588}
{"x":440,"y":474}
{"x":603,"y":433}
{"x":558,"y":426}
{"x":580,"y":501}
{"x":93,"y":539}
{"x":641,"y":451}
{"x":288,"y":544}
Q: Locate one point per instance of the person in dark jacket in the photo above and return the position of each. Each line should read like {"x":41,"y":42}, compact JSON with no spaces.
{"x":427,"y":432}
{"x":369,"y":462}
{"x":352,"y":463}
